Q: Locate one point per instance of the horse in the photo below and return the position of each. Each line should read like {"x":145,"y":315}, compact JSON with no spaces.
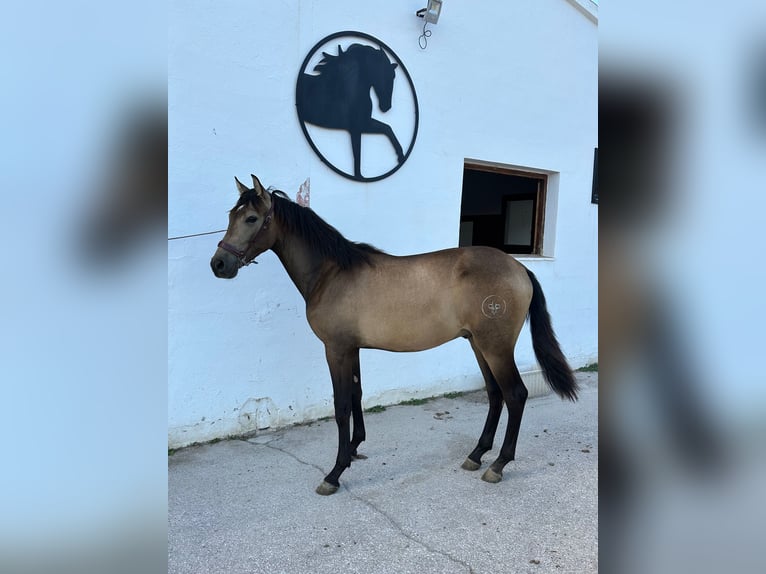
{"x":339,"y":96}
{"x":359,"y":297}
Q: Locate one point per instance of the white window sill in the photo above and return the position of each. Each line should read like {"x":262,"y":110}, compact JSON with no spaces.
{"x":528,"y":257}
{"x":588,"y":8}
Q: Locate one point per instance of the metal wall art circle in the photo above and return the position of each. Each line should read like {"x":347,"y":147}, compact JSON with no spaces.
{"x":357,"y":106}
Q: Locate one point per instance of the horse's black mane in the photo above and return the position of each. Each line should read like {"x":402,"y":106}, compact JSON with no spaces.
{"x":324,"y":239}
{"x":329,"y":62}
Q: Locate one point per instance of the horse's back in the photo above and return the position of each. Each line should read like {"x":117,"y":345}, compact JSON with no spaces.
{"x":462,"y":268}
{"x":484,"y":266}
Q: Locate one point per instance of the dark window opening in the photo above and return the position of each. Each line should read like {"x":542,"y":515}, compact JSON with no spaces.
{"x":594,"y":190}
{"x":502,"y":208}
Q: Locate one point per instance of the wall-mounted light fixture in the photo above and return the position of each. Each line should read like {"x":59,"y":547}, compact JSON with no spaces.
{"x":431,"y":12}
{"x":431,"y":16}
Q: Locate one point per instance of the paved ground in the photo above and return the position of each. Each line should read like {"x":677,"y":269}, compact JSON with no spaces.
{"x":249,"y":506}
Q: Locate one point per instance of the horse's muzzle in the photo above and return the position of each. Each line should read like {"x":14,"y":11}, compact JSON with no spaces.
{"x":223,"y":268}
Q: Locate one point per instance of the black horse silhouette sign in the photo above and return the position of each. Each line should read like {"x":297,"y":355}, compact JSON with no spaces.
{"x":339,"y":96}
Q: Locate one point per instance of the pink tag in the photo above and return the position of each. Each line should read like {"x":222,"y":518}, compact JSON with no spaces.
{"x":304,"y":193}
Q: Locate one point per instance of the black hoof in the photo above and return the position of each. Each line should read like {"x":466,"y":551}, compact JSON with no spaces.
{"x":326,"y":489}
{"x":491,"y":476}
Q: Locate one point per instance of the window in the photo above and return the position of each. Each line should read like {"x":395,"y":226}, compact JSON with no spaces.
{"x":502,"y":207}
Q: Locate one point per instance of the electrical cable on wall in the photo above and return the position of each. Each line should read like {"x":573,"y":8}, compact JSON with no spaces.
{"x":423,"y":38}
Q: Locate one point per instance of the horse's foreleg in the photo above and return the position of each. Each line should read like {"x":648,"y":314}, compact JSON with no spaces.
{"x":356,"y":148}
{"x":358,"y":435}
{"x":377,"y":127}
{"x":341,"y":365}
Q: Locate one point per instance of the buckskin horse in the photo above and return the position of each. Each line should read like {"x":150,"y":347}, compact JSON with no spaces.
{"x":358,"y":297}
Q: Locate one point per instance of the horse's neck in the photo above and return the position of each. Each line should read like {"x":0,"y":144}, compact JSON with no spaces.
{"x":301,"y":263}
{"x":361,"y":75}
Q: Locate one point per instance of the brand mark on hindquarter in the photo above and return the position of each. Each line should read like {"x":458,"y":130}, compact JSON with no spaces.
{"x":493,"y":307}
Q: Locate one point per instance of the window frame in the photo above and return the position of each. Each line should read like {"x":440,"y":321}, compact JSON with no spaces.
{"x":540,"y":200}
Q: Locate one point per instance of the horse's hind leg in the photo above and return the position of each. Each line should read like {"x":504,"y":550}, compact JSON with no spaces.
{"x":515,"y":396}
{"x":473,"y":462}
{"x":358,"y":434}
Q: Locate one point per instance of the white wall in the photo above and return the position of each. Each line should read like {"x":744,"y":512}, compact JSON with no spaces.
{"x":514,"y":83}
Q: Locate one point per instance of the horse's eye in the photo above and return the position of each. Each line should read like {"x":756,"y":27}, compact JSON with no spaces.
{"x":251,"y":219}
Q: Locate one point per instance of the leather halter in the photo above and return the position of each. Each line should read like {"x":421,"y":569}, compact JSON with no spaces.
{"x":240,"y":254}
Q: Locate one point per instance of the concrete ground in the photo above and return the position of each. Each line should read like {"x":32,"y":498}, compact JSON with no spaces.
{"x":248,"y":506}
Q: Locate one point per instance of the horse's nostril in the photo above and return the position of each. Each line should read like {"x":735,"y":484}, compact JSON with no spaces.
{"x":218,"y":265}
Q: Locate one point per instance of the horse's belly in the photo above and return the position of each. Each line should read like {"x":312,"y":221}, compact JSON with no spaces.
{"x":406,"y":332}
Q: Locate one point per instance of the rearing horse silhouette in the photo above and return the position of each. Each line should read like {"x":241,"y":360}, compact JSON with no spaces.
{"x":339,"y":96}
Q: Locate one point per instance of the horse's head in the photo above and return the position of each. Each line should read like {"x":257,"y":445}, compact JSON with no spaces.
{"x":382,"y":75}
{"x":250,"y":232}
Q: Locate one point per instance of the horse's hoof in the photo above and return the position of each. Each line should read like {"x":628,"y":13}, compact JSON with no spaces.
{"x":357,"y":456}
{"x":491,"y":476}
{"x":326,"y":489}
{"x":470,"y":465}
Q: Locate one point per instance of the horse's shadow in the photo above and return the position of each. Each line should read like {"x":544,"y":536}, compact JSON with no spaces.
{"x":339,"y":96}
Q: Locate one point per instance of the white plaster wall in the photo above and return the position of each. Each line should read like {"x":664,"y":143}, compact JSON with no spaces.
{"x":514,"y":83}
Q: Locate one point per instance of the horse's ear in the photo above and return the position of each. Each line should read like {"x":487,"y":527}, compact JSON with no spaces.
{"x":394,"y":65}
{"x":241,"y":187}
{"x":257,"y":187}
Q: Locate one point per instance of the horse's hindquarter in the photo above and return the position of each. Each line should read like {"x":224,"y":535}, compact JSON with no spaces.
{"x":422,"y":301}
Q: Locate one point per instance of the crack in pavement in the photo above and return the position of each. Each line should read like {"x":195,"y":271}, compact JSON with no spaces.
{"x":288,"y":453}
{"x":398,"y":527}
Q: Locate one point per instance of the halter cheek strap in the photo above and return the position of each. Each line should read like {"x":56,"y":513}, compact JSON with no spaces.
{"x":240,"y":254}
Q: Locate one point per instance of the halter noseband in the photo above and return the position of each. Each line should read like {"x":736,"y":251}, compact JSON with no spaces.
{"x":240,"y":255}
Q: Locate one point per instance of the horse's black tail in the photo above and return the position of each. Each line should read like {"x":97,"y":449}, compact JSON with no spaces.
{"x":555,"y":367}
